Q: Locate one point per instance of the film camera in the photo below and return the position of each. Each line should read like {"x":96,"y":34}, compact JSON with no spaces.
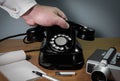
{"x":104,"y":65}
{"x":60,"y":49}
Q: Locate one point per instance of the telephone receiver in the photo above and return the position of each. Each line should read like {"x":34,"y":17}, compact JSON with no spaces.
{"x":60,"y":49}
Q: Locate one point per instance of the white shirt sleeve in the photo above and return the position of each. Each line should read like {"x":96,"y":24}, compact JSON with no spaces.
{"x":17,"y":8}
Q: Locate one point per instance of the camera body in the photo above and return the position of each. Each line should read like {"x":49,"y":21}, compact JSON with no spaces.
{"x":104,"y":65}
{"x":60,"y":48}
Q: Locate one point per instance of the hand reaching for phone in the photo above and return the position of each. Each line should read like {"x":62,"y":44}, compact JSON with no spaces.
{"x":46,"y":16}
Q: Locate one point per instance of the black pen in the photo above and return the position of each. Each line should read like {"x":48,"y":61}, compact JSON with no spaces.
{"x":45,"y":76}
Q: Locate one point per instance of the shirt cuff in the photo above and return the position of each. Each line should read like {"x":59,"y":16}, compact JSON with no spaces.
{"x":17,"y":8}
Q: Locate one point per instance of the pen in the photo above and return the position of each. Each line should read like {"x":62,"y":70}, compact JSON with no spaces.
{"x":65,"y":73}
{"x":45,"y":76}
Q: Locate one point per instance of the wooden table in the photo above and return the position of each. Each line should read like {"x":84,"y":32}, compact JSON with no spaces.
{"x":88,"y":48}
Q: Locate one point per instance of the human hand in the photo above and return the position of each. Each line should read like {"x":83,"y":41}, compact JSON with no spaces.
{"x":45,"y":16}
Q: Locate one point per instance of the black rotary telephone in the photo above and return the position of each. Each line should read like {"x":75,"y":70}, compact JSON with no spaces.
{"x":60,"y":49}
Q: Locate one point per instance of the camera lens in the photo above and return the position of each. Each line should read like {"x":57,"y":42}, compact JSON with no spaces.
{"x":100,"y":73}
{"x":98,"y":76}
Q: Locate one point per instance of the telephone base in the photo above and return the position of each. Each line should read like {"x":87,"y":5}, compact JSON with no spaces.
{"x":61,"y":67}
{"x":62,"y":61}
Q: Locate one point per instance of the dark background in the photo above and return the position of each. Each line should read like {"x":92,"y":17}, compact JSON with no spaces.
{"x":102,"y":15}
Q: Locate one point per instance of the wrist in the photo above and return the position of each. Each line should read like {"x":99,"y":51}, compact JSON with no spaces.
{"x":28,"y":12}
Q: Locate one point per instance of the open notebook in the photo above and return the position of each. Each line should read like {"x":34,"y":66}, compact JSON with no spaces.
{"x":15,"y":67}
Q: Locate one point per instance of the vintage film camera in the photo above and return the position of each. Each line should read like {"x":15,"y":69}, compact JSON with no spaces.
{"x":60,"y":49}
{"x":104,"y":65}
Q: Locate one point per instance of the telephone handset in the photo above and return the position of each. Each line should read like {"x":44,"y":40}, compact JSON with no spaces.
{"x":60,"y":49}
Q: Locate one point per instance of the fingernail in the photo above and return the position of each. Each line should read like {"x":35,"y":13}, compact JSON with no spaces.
{"x":67,"y":25}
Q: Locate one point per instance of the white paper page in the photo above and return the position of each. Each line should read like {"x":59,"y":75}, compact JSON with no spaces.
{"x":15,"y":67}
{"x":20,"y":71}
{"x":13,"y":56}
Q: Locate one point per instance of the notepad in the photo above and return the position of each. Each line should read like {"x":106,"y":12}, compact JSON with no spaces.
{"x":15,"y":67}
